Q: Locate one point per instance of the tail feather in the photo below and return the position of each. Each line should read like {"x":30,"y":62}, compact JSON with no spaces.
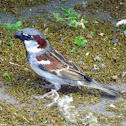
{"x":105,"y":88}
{"x":97,"y":85}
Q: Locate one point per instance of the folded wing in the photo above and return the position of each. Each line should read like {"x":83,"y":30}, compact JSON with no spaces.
{"x":55,"y":63}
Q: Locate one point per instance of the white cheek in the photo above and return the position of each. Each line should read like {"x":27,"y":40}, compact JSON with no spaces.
{"x":43,"y":62}
{"x":32,"y":46}
{"x":34,"y":49}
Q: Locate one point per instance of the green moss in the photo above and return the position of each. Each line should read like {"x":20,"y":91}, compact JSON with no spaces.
{"x":110,"y":121}
{"x":62,"y":37}
{"x":116,"y":8}
{"x":124,"y":95}
{"x":11,"y":115}
{"x":82,"y":96}
{"x":25,"y":83}
{"x":13,"y":6}
{"x":117,"y":107}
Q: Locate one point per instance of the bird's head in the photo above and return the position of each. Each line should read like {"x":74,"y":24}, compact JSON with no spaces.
{"x":33,"y":39}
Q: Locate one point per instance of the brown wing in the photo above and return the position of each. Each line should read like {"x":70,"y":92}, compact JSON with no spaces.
{"x":54,"y":62}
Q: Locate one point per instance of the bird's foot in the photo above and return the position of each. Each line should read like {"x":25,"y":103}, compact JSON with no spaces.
{"x":52,"y":93}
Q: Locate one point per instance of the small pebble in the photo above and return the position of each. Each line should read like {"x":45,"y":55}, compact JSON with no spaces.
{"x":81,"y":63}
{"x":101,"y":34}
{"x":1,"y":108}
{"x":0,"y":42}
{"x":25,"y":69}
{"x":124,"y":73}
{"x":114,"y":77}
{"x":112,"y":106}
{"x":32,"y":113}
{"x":97,"y":58}
{"x":87,"y":53}
{"x":103,"y":65}
{"x":114,"y":40}
{"x":45,"y":31}
{"x":96,"y":67}
{"x":61,"y":39}
{"x":88,"y":36}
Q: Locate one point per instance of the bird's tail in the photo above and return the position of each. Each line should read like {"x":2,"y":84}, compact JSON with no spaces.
{"x":105,"y":88}
{"x":97,"y":85}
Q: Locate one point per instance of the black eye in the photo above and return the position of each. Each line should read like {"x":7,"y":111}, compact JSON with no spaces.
{"x":26,"y":36}
{"x":29,"y":36}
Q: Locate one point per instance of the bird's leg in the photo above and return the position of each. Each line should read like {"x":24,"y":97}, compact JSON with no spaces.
{"x":51,"y":94}
{"x":55,"y":97}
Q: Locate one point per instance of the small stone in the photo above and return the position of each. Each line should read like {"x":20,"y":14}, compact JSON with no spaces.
{"x":103,"y":65}
{"x":87,"y":53}
{"x":101,"y":34}
{"x":25,"y":69}
{"x":0,"y":42}
{"x":114,"y":40}
{"x":61,"y":38}
{"x":112,"y":106}
{"x":84,"y":68}
{"x":32,"y":113}
{"x":45,"y":31}
{"x":88,"y":36}
{"x":81,"y":63}
{"x":124,"y":73}
{"x":114,"y":77}
{"x":1,"y":108}
{"x":96,"y":67}
{"x":97,"y":58}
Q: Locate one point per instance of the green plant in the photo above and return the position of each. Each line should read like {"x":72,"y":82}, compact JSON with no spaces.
{"x":80,"y":42}
{"x":7,"y":75}
{"x":11,"y":43}
{"x":12,"y":27}
{"x":123,"y":27}
{"x":70,"y":18}
{"x":92,"y":33}
{"x":1,"y":24}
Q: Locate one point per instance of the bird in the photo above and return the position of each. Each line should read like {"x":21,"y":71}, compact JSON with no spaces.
{"x":53,"y":66}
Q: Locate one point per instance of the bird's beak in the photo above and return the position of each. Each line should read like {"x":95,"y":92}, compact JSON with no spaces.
{"x":18,"y":35}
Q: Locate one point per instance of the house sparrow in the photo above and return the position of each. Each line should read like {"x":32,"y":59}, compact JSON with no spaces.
{"x":52,"y":65}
